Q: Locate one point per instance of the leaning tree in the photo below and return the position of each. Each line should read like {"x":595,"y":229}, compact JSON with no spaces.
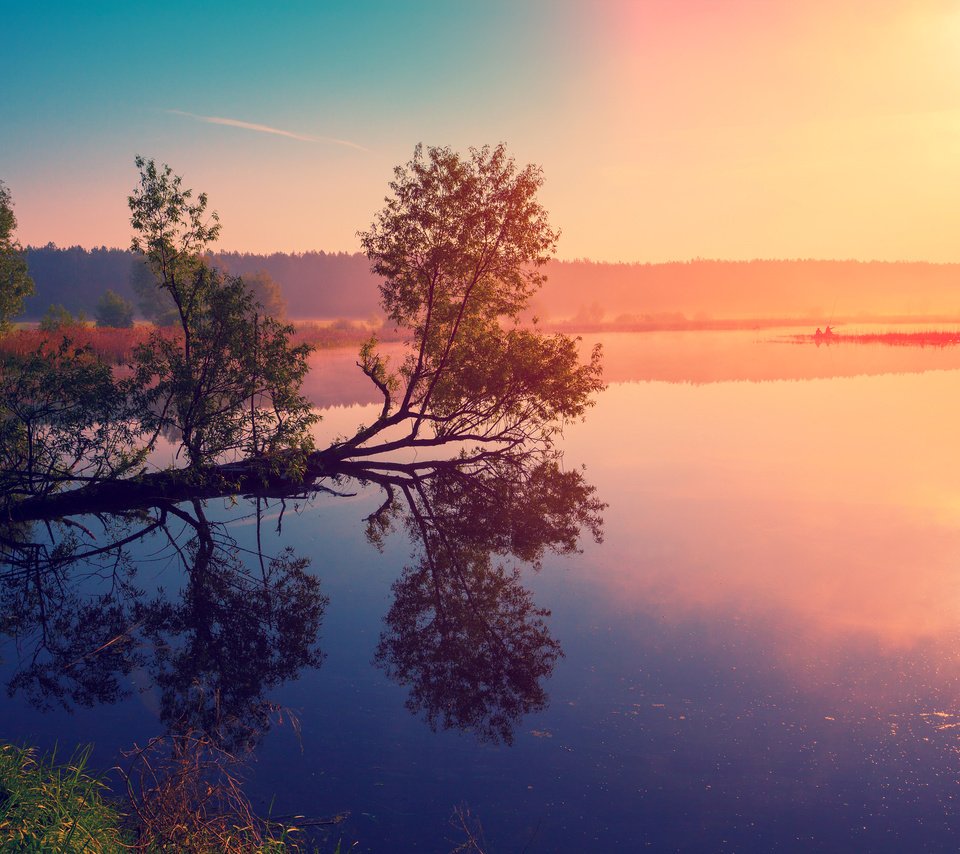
{"x":477,"y":397}
{"x":460,"y":245}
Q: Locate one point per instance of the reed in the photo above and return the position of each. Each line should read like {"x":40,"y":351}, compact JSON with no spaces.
{"x":183,"y":794}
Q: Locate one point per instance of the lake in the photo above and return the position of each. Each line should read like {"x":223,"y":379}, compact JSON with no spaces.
{"x":761,"y":654}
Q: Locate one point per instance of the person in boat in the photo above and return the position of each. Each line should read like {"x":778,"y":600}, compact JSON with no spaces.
{"x":818,"y":333}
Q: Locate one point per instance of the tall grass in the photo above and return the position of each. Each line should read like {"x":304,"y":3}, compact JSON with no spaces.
{"x":185,"y":795}
{"x":182,"y":796}
{"x":46,"y":807}
{"x":114,"y":346}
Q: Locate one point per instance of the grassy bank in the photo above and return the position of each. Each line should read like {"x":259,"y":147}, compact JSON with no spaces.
{"x":46,"y":806}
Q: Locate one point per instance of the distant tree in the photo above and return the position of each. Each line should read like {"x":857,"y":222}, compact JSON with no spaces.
{"x":15,"y":281}
{"x":58,"y":317}
{"x":114,"y":311}
{"x":154,"y":302}
{"x":266,"y":293}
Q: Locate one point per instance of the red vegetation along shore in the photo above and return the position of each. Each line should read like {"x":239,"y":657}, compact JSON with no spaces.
{"x":116,"y":346}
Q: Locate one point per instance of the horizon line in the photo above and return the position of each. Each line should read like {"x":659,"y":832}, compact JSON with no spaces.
{"x":576,"y":260}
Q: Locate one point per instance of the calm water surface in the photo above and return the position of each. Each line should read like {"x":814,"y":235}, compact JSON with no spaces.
{"x":761,"y":655}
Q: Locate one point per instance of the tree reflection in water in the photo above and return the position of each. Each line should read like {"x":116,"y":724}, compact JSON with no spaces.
{"x":463,"y":633}
{"x":233,"y":632}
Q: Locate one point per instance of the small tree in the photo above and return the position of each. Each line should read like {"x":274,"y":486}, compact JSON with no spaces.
{"x":154,"y":302}
{"x":114,"y":311}
{"x":15,"y":281}
{"x":266,"y":293}
{"x":58,"y":317}
{"x":172,"y":232}
{"x":230,"y":383}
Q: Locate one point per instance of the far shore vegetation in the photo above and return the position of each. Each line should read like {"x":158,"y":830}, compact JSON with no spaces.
{"x":322,"y":284}
{"x":116,"y":345}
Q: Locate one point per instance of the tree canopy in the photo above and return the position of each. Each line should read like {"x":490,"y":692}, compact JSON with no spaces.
{"x":114,"y":311}
{"x":266,"y":291}
{"x":58,"y":317}
{"x":459,"y":244}
{"x":463,"y":448}
{"x":230,"y":382}
{"x":15,"y":281}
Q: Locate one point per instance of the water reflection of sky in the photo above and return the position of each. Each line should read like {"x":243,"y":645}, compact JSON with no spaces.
{"x":832,"y":503}
{"x":762,"y":655}
{"x":771,"y":625}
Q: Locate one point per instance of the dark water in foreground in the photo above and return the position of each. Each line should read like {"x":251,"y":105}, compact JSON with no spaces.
{"x":761,"y":655}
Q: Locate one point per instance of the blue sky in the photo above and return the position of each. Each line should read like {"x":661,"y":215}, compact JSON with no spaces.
{"x":96,"y":83}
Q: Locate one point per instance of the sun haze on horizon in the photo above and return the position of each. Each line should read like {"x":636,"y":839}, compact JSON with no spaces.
{"x":666,"y":130}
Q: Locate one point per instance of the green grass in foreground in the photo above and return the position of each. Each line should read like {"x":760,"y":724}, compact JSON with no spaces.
{"x":61,"y":809}
{"x":54,"y":808}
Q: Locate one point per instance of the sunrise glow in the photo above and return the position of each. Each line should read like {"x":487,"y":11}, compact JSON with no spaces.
{"x":480,"y":426}
{"x":667,"y":130}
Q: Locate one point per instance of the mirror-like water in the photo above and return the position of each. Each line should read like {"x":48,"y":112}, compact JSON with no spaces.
{"x":761,"y":655}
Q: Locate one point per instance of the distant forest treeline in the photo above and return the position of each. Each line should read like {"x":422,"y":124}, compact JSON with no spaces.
{"x":314,"y":284}
{"x":339,"y":284}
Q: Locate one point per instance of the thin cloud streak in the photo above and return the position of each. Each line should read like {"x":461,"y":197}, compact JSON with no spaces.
{"x":237,"y":123}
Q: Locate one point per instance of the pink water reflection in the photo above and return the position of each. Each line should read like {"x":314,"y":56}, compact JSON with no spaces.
{"x":829,"y":509}
{"x":820,"y":493}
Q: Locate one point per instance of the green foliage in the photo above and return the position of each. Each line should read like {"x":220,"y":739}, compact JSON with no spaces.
{"x":459,"y":237}
{"x":460,"y":243}
{"x":172,"y":232}
{"x":15,"y":281}
{"x":237,"y":391}
{"x":46,"y":807}
{"x":63,"y":419}
{"x":58,"y":317}
{"x":231,"y":383}
{"x":154,"y":302}
{"x":114,"y":311}
{"x":266,"y":293}
{"x":191,"y":803}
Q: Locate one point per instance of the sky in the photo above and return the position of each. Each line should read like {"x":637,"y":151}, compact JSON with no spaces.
{"x":666,"y":129}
